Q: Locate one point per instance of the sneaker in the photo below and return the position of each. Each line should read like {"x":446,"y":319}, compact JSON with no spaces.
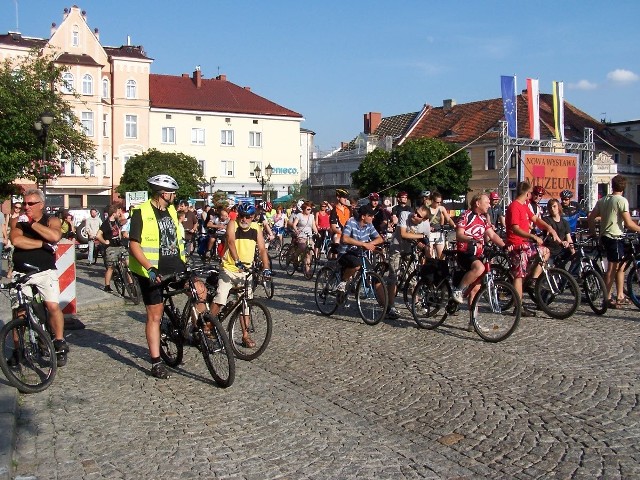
{"x":393,"y":313}
{"x":61,"y":359}
{"x":61,"y":346}
{"x":158,"y":370}
{"x":342,"y":286}
{"x":526,"y":313}
{"x":457,"y":295}
{"x":107,"y":288}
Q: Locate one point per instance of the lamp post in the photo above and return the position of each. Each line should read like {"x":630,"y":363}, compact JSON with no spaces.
{"x":212,"y":182}
{"x":263,"y":179}
{"x":42,"y":127}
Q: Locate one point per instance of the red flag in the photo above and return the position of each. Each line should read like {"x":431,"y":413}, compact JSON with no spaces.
{"x":533,"y":97}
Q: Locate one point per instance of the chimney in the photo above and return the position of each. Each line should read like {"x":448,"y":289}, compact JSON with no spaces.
{"x":344,"y":145}
{"x":197,"y":77}
{"x":222,"y":78}
{"x":185,"y":75}
{"x":65,"y":13}
{"x":96,"y":32}
{"x":248,"y":89}
{"x":448,"y":104}
{"x":371,"y":122}
{"x":54,"y":27}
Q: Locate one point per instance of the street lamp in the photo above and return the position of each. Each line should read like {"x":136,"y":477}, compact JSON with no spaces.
{"x":42,"y":127}
{"x":263,"y":179}
{"x":212,"y":182}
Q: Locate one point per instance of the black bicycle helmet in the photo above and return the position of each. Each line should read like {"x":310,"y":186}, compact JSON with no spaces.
{"x":246,"y":209}
{"x":163,"y":183}
{"x":566,"y":194}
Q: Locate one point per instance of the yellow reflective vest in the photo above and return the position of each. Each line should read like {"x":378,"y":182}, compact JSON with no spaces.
{"x":150,"y":238}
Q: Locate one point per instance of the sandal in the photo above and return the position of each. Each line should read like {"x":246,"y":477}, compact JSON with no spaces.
{"x":611,"y":303}
{"x":622,"y":301}
{"x":248,"y":343}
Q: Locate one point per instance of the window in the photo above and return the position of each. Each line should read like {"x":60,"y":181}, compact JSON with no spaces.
{"x":167,"y":116}
{"x":198,"y":119}
{"x":628,"y":159}
{"x":490,"y":160}
{"x":227,"y":168}
{"x":105,"y":125}
{"x":201,"y":163}
{"x":105,"y":88}
{"x":514,"y":160}
{"x":87,"y":85}
{"x":197,"y":136}
{"x":168,"y":135}
{"x":226,"y":137}
{"x":87,"y":123}
{"x":252,"y":167}
{"x":131,"y":89}
{"x":67,"y":83}
{"x":63,"y":166}
{"x":104,"y":165}
{"x":92,"y":168}
{"x":72,"y":168}
{"x":75,"y":36}
{"x":131,"y":126}
{"x":255,"y":139}
{"x":616,"y":158}
{"x":125,"y":159}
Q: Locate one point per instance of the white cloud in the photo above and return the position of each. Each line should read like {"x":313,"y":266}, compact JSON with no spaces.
{"x":622,"y":76}
{"x":583,"y":85}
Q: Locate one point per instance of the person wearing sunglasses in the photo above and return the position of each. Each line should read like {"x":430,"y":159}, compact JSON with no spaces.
{"x":438,"y":217}
{"x":16,"y":210}
{"x":34,"y":235}
{"x":412,"y":228}
{"x":243,"y":236}
{"x":537,"y":193}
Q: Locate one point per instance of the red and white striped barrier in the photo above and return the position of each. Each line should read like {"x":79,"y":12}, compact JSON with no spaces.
{"x":66,"y":265}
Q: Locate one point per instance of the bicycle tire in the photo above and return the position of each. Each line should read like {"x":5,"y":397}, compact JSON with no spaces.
{"x":557,"y":293}
{"x":267,"y":284}
{"x":118,"y":279}
{"x":633,"y":285}
{"x":282,"y":256}
{"x":171,"y":341}
{"x":274,"y":248}
{"x":217,"y":352}
{"x":37,"y":361}
{"x":133,"y":289}
{"x":325,"y":291}
{"x":595,"y":291}
{"x":260,"y":329}
{"x":495,"y":311}
{"x":408,"y":287}
{"x":428,"y":303}
{"x":372,"y":304}
{"x":309,"y":270}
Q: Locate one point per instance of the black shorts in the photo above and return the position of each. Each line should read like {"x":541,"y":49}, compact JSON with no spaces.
{"x":614,"y":248}
{"x":350,"y":260}
{"x":465,"y":260}
{"x":151,"y":293}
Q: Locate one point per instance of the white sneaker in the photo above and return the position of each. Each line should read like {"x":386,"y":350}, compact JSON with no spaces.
{"x":342,"y":286}
{"x":457,"y":295}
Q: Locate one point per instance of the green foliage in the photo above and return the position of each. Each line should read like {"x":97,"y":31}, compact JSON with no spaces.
{"x":183,"y":168}
{"x":381,"y":169}
{"x":28,"y":88}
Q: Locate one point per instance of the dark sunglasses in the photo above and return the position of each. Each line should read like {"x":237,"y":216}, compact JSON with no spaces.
{"x":31,"y":204}
{"x":415,"y":212}
{"x":245,"y":216}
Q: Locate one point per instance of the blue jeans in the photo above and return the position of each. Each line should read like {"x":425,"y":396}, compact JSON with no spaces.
{"x":92,"y":246}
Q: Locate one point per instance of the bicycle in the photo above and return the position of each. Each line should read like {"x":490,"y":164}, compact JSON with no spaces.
{"x":305,"y":258}
{"x":28,"y":358}
{"x":495,"y":310}
{"x":408,"y":272}
{"x":124,"y":281}
{"x":370,"y":291}
{"x":259,"y":323}
{"x":260,"y":279}
{"x":188,"y":327}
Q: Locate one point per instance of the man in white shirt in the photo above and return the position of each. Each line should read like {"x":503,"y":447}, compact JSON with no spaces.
{"x":92,"y":225}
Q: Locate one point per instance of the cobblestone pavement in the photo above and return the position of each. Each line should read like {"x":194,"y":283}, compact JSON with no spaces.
{"x":335,"y":398}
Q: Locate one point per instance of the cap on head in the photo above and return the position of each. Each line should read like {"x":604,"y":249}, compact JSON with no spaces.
{"x":566,"y":194}
{"x":246,"y":209}
{"x":494,"y":196}
{"x":374,"y":196}
{"x":341,"y":193}
{"x":162,"y":182}
{"x":538,"y":190}
{"x":402,"y":194}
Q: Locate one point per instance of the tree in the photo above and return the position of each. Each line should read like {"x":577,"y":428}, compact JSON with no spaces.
{"x":28,"y":88}
{"x":382,"y":169}
{"x":184,"y":168}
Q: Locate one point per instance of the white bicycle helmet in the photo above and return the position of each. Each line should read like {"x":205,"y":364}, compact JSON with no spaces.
{"x":162,"y":183}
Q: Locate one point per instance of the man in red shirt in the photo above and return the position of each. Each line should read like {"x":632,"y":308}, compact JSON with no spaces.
{"x":519,"y":219}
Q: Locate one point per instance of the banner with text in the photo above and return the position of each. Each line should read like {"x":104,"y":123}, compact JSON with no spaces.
{"x":552,"y":171}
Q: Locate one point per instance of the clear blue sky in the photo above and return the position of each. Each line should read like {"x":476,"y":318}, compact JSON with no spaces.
{"x":334,"y":60}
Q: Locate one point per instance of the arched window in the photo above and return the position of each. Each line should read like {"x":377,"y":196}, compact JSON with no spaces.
{"x":131,"y":89}
{"x":105,"y":88}
{"x":67,"y":83}
{"x":87,"y":85}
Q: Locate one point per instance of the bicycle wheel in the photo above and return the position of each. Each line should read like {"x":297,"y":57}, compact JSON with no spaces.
{"x":309,"y":269}
{"x":557,"y":293}
{"x":259,"y":327}
{"x":325,"y":290}
{"x":171,"y":341}
{"x":118,"y":279}
{"x":274,"y":248}
{"x":633,"y":285}
{"x":595,"y":291}
{"x":267,"y":284}
{"x":292,"y":262}
{"x":428,"y":302}
{"x":371,"y":298}
{"x":284,"y":253}
{"x":408,"y":288}
{"x":495,"y":311}
{"x":217,"y":352}
{"x":133,"y":288}
{"x":30,"y":362}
